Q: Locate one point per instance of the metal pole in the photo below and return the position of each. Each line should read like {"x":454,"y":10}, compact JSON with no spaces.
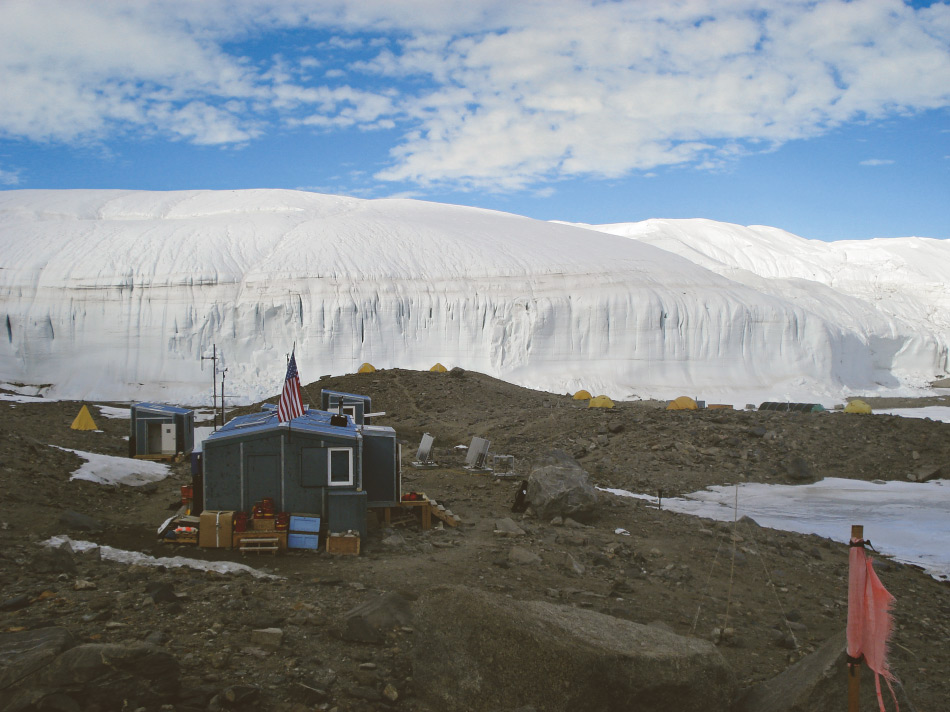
{"x":214,"y":382}
{"x":854,"y":669}
{"x":223,"y":372}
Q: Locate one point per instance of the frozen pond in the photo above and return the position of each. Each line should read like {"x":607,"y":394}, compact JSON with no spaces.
{"x":909,"y":521}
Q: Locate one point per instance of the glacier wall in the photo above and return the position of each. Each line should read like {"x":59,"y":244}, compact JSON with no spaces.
{"x":118,"y":294}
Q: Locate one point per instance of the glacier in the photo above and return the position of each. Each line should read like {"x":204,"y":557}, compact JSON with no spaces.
{"x":117,"y":294}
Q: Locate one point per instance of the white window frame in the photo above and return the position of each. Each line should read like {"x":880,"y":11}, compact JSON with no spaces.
{"x":350,"y":410}
{"x":349,"y":455}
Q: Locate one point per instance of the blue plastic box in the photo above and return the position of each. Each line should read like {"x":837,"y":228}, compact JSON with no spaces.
{"x":304,"y":523}
{"x":303,"y":541}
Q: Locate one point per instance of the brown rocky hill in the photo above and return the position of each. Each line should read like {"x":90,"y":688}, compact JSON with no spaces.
{"x":777,"y":595}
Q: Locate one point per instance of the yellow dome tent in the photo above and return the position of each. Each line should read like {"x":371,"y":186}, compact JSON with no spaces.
{"x":600,"y":402}
{"x":682,"y":403}
{"x":84,"y":420}
{"x":582,"y":395}
{"x":438,"y":368}
{"x":367,"y":368}
{"x":857,"y":406}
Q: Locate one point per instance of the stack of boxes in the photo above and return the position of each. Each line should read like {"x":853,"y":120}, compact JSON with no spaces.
{"x":304,"y":532}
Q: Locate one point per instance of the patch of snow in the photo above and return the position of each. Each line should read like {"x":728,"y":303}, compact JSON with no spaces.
{"x":933,"y":412}
{"x":905,"y":520}
{"x":109,"y":411}
{"x":111,"y":470}
{"x":123,"y":556}
{"x":14,"y":398}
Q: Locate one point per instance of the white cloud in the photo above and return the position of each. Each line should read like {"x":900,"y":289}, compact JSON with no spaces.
{"x":487,"y":93}
{"x":877,"y":162}
{"x":8,"y":177}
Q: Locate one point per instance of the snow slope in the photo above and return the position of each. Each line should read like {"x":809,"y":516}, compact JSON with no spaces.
{"x":117,"y":294}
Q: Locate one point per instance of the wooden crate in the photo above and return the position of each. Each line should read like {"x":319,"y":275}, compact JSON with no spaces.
{"x":347,"y":544}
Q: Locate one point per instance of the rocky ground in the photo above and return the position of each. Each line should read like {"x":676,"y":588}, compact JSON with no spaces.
{"x":778,"y":595}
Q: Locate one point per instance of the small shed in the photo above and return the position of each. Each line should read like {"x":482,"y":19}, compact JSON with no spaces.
{"x":355,"y":406}
{"x":158,"y":431}
{"x":792,"y":407}
{"x":312,"y":466}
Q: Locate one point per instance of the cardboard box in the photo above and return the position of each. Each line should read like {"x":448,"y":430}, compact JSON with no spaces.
{"x":303,"y":541}
{"x":305,"y":523}
{"x":264,"y":524}
{"x":215,"y":528}
{"x":348,"y":543}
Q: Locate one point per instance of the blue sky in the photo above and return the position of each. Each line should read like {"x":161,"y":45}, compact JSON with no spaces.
{"x":826,"y":118}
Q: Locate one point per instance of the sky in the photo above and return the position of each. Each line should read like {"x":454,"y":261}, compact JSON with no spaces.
{"x":825,"y":118}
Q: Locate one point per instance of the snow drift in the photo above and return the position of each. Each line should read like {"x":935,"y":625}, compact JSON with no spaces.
{"x":117,"y":295}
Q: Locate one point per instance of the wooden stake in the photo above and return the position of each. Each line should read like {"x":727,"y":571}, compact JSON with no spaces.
{"x":854,"y":670}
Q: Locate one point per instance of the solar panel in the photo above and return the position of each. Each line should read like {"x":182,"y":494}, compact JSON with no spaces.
{"x":425,"y":448}
{"x":477,"y":452}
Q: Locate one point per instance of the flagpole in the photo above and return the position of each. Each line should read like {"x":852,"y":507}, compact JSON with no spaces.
{"x":854,"y":668}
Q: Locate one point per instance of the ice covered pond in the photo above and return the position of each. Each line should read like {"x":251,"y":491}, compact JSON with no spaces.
{"x":908,"y":521}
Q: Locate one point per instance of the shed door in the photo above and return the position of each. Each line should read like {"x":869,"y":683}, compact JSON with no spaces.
{"x":168,"y":438}
{"x":261,"y":479}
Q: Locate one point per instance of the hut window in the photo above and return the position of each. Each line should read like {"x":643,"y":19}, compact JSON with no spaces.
{"x":340,"y":465}
{"x":350,"y":410}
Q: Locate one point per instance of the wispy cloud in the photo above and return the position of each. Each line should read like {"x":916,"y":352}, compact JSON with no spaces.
{"x":488,"y":94}
{"x":9,"y":177}
{"x":877,"y":162}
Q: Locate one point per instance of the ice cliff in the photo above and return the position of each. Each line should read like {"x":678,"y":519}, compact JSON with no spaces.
{"x":117,"y":295}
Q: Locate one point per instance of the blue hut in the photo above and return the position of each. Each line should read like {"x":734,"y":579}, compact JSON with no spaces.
{"x":353,"y":405}
{"x":158,"y":431}
{"x":321,"y":463}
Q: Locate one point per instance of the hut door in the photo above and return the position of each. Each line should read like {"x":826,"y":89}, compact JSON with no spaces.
{"x":154,"y":439}
{"x":168,"y":438}
{"x":262,"y":479}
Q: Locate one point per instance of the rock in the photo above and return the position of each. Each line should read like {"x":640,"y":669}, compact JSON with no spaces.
{"x":84,"y":585}
{"x":926,"y":474}
{"x":54,"y":561}
{"x":370,"y":621}
{"x":103,"y":676}
{"x":269,"y":638}
{"x":559,"y":486}
{"x":390,"y":693}
{"x":25,"y":652}
{"x":798,"y":469}
{"x":80,"y":522}
{"x":481,"y":651}
{"x":457,"y":372}
{"x":523,"y":557}
{"x":394,"y":541}
{"x":162,"y":592}
{"x":15,"y":603}
{"x":816,"y":683}
{"x":234,"y":697}
{"x":507,"y":527}
{"x":573,"y":566}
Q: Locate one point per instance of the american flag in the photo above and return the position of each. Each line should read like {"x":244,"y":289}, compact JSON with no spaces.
{"x":290,"y":405}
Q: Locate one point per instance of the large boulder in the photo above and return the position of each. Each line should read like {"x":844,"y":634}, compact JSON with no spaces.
{"x":559,"y":487}
{"x":481,"y":651}
{"x":110,"y":676}
{"x":816,"y":683}
{"x":25,"y":652}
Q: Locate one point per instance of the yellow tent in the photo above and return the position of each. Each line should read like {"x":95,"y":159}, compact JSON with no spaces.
{"x":438,"y":368}
{"x":367,"y":368}
{"x":582,"y":395}
{"x":84,"y":421}
{"x":857,"y":406}
{"x":682,"y":403}
{"x":600,"y":402}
